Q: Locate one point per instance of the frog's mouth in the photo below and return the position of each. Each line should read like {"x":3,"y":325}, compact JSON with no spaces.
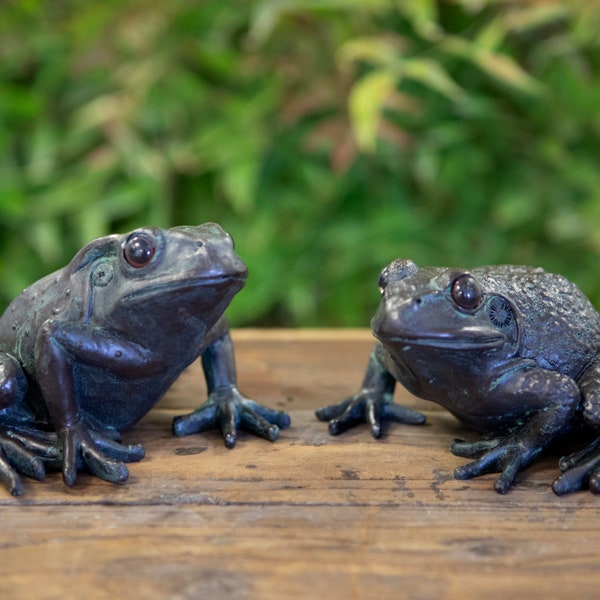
{"x":475,"y":339}
{"x":161,"y":288}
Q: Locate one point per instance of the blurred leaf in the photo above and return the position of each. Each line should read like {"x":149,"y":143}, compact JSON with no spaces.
{"x":523,"y":19}
{"x":432,"y":75}
{"x":239,"y":181}
{"x":508,"y":72}
{"x":498,"y":66}
{"x":365,"y":104}
{"x":45,"y":238}
{"x":423,"y":15}
{"x":377,"y":51}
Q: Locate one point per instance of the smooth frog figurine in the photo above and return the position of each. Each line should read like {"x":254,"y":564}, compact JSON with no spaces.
{"x":511,"y":351}
{"x":88,"y":350}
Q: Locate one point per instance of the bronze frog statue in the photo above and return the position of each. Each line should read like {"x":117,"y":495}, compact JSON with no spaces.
{"x":511,"y":351}
{"x":87,"y":351}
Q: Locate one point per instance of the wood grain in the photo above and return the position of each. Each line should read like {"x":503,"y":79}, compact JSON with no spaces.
{"x":306,"y":517}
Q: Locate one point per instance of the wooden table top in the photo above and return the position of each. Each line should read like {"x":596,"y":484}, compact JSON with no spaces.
{"x":310,"y":516}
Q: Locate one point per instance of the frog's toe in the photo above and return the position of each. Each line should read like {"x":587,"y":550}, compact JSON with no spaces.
{"x":255,"y":423}
{"x":16,"y":457}
{"x":354,"y":413}
{"x":275,"y":417}
{"x":507,"y":477}
{"x":114,"y":449}
{"x":333,"y":410}
{"x":582,"y":456}
{"x":594,"y":482}
{"x":105,"y":468}
{"x":572,"y":480}
{"x":473,"y":449}
{"x":581,"y":470}
{"x":360,"y":408}
{"x":22,"y":457}
{"x":202,"y":419}
{"x":506,"y":458}
{"x":9,"y":478}
{"x":236,"y":415}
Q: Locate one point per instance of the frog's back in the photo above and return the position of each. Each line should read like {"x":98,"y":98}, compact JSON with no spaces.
{"x":24,"y":315}
{"x":559,"y":327}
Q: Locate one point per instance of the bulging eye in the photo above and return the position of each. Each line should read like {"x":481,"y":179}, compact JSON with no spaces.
{"x":138,"y":250}
{"x":383,"y":280}
{"x":467,"y":292}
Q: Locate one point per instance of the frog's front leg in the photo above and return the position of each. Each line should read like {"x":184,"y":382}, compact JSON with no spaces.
{"x":58,"y":347}
{"x":226,"y":408}
{"x":553,"y":398}
{"x":373,"y":404}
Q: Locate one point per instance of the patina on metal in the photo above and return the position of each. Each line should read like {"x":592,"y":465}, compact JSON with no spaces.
{"x":88,"y":350}
{"x":511,"y":351}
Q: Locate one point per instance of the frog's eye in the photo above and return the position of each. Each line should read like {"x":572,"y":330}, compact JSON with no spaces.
{"x":383,"y":280}
{"x":467,"y":292}
{"x":138,"y":250}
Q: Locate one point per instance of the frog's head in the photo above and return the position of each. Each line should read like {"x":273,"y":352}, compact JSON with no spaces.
{"x":441,"y":308}
{"x":165,"y":275}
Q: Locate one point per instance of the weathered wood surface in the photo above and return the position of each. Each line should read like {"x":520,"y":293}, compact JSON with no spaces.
{"x":309,"y":516}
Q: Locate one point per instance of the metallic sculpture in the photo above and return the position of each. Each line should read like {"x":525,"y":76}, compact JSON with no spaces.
{"x":511,"y":351}
{"x":88,"y":350}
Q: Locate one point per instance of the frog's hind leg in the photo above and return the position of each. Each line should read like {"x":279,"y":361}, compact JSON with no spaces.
{"x":581,"y":469}
{"x":13,"y":383}
{"x":15,"y":455}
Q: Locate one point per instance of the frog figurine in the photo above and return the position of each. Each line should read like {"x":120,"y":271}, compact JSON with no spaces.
{"x":87,"y":351}
{"x":511,"y":351}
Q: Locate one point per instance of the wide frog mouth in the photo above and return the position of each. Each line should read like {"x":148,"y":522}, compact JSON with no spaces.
{"x":466,"y":339}
{"x":235,"y":281}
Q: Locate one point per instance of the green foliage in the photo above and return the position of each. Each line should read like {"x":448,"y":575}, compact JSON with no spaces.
{"x":329,"y":137}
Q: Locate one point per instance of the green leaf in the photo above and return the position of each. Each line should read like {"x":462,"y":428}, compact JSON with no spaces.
{"x":506,"y":71}
{"x":431,"y":74}
{"x":365,"y":103}
{"x":498,"y":66}
{"x":423,"y":14}
{"x":377,"y":51}
{"x":522,"y":19}
{"x":239,"y":183}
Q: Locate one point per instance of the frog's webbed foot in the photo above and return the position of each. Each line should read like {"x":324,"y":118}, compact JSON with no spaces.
{"x":24,"y":453}
{"x":98,"y":452}
{"x":581,"y":470}
{"x":505,"y":455}
{"x":227,"y":409}
{"x":367,"y":407}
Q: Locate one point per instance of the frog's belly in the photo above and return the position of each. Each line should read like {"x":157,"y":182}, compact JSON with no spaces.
{"x":466,"y":390}
{"x":107,"y":401}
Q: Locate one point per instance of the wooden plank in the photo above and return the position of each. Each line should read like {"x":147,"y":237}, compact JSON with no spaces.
{"x":308,"y":516}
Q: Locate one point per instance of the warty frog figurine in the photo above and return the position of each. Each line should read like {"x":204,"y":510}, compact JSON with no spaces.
{"x":511,"y":351}
{"x":87,"y":351}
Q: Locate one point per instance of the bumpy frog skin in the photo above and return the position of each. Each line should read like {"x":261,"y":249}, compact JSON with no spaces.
{"x":511,"y":351}
{"x":88,"y":350}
